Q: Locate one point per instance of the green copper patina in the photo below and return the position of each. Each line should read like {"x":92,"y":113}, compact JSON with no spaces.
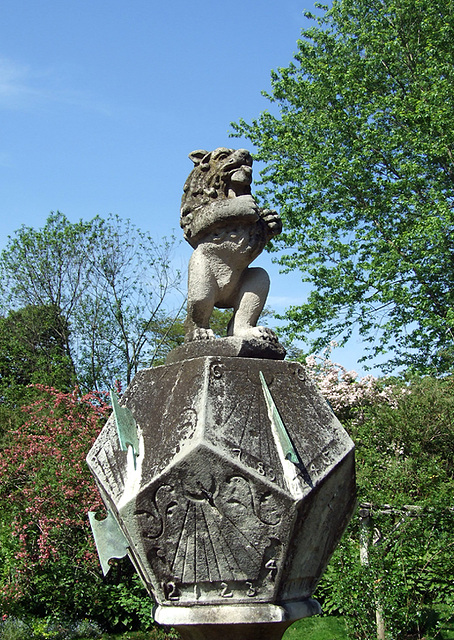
{"x":126,"y":425}
{"x":109,"y":539}
{"x":284,"y":439}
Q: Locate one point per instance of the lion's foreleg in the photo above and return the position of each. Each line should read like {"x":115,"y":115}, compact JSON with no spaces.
{"x":201,"y":296}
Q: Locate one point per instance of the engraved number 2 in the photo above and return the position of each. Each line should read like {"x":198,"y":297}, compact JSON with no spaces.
{"x":171,"y":591}
{"x":226,"y":592}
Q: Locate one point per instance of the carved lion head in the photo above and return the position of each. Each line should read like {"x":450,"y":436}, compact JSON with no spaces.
{"x":218,"y":176}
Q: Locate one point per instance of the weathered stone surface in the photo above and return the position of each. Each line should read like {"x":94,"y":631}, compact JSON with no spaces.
{"x":236,"y":614}
{"x":223,"y":223}
{"x":235,"y":622}
{"x":228,"y":347}
{"x":214,"y":509}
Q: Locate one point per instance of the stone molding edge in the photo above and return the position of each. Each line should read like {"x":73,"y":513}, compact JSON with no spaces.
{"x":230,"y":346}
{"x":236,"y":613}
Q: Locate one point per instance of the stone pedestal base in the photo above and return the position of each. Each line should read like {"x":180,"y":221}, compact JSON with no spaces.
{"x":231,"y":347}
{"x":235,"y":622}
{"x":254,"y":631}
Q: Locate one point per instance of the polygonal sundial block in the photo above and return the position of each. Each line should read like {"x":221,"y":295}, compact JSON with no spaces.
{"x":243,"y":483}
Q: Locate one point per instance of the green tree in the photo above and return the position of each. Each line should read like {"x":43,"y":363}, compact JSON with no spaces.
{"x":33,"y":348}
{"x":405,"y":474}
{"x":359,"y":160}
{"x":111,"y":283}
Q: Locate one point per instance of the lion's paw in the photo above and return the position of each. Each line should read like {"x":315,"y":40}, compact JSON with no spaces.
{"x":200,"y":334}
{"x":272,"y":220}
{"x":258,"y":333}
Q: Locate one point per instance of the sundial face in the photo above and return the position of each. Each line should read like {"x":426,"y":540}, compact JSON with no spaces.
{"x":212,"y":530}
{"x":242,"y":486}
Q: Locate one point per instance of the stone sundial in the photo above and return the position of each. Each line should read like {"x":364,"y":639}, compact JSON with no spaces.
{"x":227,"y":478}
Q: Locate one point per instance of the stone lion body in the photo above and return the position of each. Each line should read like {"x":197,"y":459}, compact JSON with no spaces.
{"x":226,"y":228}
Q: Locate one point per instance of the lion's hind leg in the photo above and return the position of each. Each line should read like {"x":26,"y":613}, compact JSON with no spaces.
{"x":248,"y":305}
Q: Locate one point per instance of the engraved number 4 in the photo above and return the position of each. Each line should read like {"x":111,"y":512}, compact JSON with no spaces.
{"x":272,"y":567}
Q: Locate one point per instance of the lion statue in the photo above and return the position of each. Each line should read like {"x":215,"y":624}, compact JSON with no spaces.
{"x":223,"y":223}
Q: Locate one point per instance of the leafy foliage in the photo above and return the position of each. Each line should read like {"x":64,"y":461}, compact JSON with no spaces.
{"x":406,"y":452}
{"x":359,"y":160}
{"x":48,"y":563}
{"x":111,"y":284}
{"x":33,"y":349}
{"x":12,"y":628}
{"x":405,"y":475}
{"x":408,"y":576}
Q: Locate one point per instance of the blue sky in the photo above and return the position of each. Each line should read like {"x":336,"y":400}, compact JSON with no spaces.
{"x":102,"y":100}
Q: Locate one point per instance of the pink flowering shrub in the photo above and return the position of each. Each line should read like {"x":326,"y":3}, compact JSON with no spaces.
{"x":49,"y":566}
{"x":46,"y":491}
{"x":344,"y":391}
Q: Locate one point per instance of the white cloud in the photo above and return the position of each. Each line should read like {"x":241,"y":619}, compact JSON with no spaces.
{"x":15,"y":84}
{"x":22,"y":87}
